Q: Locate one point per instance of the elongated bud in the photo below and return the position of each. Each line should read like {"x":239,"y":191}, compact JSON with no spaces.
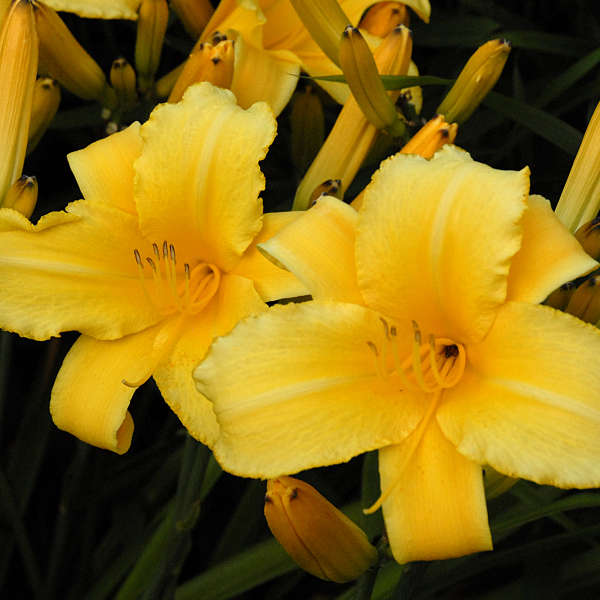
{"x":153,"y":16}
{"x":208,"y":62}
{"x":164,"y":85}
{"x":580,"y":198}
{"x":363,"y":78}
{"x":46,"y":100}
{"x":331,"y":187}
{"x":585,"y":301}
{"x":22,"y":195}
{"x":319,"y":537}
{"x":64,"y":59}
{"x":307,"y":122}
{"x":496,"y":483}
{"x":382,"y":17}
{"x":194,"y":14}
{"x":325,"y":21}
{"x":4,"y":6}
{"x":476,"y":79}
{"x":431,"y":137}
{"x":560,"y":297}
{"x":353,"y":135}
{"x":18,"y":67}
{"x":588,"y":235}
{"x":122,"y":78}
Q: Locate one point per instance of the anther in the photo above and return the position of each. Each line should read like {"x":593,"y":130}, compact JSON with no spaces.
{"x":138,"y":258}
{"x":186,"y":269}
{"x":151,"y":263}
{"x":417,"y":332}
{"x":373,"y":348}
{"x":165,"y":250}
{"x":172,"y":253}
{"x":156,"y":251}
{"x":385,"y":328}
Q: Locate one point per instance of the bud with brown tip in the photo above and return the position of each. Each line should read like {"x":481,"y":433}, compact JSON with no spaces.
{"x":319,"y":537}
{"x":22,"y":195}
{"x":153,"y":16}
{"x":46,"y":100}
{"x":18,"y":66}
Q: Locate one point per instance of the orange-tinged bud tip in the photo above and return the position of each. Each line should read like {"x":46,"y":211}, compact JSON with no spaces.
{"x":381,"y":18}
{"x":319,"y":537}
{"x":431,"y":137}
{"x":211,"y":62}
{"x":22,"y":195}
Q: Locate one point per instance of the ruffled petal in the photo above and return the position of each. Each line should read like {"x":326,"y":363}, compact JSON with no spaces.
{"x":549,"y":255}
{"x":75,"y":270}
{"x":318,"y":248}
{"x":235,"y":299}
{"x":529,"y":402}
{"x":98,"y":9}
{"x":263,"y":75}
{"x":104,"y":169}
{"x":435,"y":239}
{"x":271,"y":282}
{"x":297,"y":388}
{"x":198,"y":177}
{"x":437,"y":508}
{"x":89,"y":398}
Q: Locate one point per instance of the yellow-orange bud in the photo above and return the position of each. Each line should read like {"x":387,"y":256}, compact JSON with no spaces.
{"x":208,"y":62}
{"x":585,"y":301}
{"x":194,"y":14}
{"x":560,"y":297}
{"x":319,"y":537}
{"x":152,"y":21}
{"x":580,"y":198}
{"x":588,"y":235}
{"x":431,"y":137}
{"x":64,"y":59}
{"x":18,"y":66}
{"x":307,"y":122}
{"x":331,"y":187}
{"x":474,"y":82}
{"x":46,"y":100}
{"x":382,"y":17}
{"x":22,"y":195}
{"x":122,"y":78}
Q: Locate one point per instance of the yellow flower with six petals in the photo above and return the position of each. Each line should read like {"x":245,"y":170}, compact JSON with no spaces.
{"x":157,"y":260}
{"x":425,"y":341}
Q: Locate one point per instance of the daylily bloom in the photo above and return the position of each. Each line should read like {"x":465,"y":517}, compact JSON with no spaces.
{"x":272,"y":44}
{"x":424,"y":340}
{"x":158,"y":259}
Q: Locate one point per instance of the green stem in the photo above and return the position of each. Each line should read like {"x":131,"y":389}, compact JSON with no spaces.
{"x":366,"y":583}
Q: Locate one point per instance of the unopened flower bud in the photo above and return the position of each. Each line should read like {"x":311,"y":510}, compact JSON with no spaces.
{"x":194,"y":14}
{"x":152,"y":21}
{"x":307,"y":122}
{"x":363,"y":79}
{"x":319,"y":537}
{"x":325,"y":21}
{"x":560,"y":297}
{"x":331,"y":187}
{"x":588,"y":235}
{"x":474,"y":82}
{"x":208,"y":62}
{"x":64,"y":59}
{"x":122,"y":78}
{"x":431,"y":137}
{"x":22,"y":195}
{"x":580,"y":198}
{"x":46,"y":100}
{"x":382,"y":17}
{"x":585,"y":301}
{"x":18,"y":66}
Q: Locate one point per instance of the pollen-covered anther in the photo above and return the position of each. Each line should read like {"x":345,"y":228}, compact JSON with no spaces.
{"x":173,"y":288}
{"x":430,"y":366}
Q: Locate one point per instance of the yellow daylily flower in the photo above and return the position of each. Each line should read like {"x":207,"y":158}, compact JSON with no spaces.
{"x":97,"y":9}
{"x":424,"y":340}
{"x":158,"y":259}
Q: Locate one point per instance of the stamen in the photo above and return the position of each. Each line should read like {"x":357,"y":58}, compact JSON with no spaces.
{"x":398,"y":364}
{"x":186,"y":269}
{"x":417,"y":361}
{"x":433,"y":360}
{"x":156,"y":251}
{"x":413,"y":444}
{"x":138,"y":258}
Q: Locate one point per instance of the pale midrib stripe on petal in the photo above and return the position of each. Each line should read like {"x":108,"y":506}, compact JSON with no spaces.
{"x":64,"y":268}
{"x":292,"y":391}
{"x":547,"y":397}
{"x":438,"y":235}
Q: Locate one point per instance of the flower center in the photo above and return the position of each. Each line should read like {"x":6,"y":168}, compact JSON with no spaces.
{"x":429,"y":367}
{"x":176,"y":288}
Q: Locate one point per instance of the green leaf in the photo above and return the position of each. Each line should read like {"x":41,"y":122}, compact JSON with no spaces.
{"x":547,"y":42}
{"x":462,"y":32}
{"x":544,"y":124}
